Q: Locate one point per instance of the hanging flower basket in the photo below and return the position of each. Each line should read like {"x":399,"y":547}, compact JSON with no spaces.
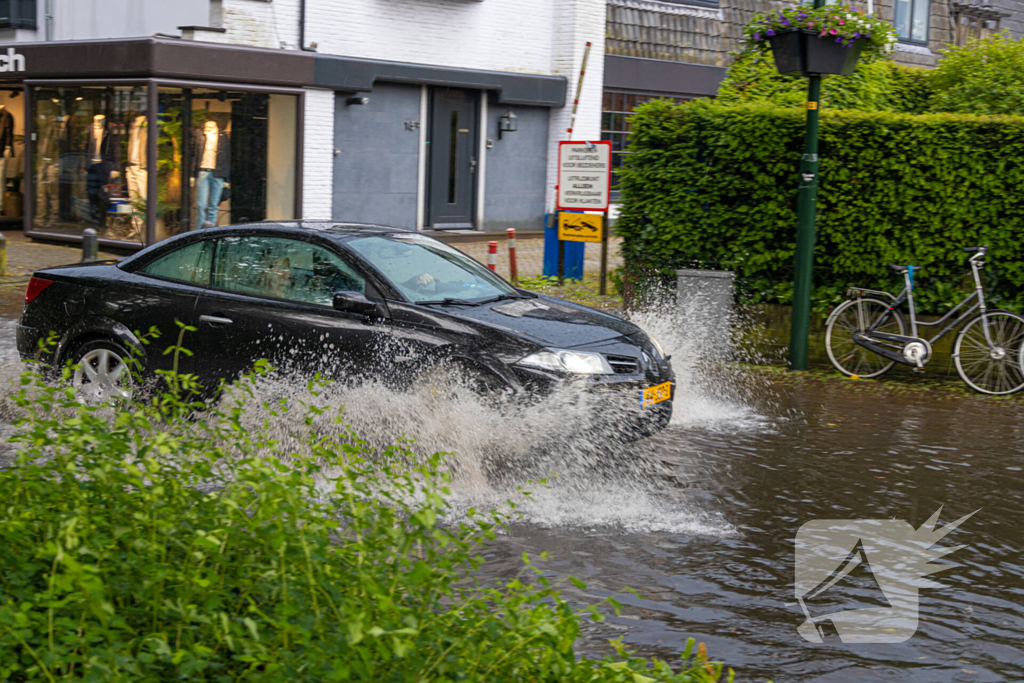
{"x":803,"y":52}
{"x":824,"y":40}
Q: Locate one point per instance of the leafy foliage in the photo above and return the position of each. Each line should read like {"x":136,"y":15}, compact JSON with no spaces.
{"x":712,"y":185}
{"x":844,"y":25}
{"x":149,"y":542}
{"x":876,"y":85}
{"x":983,"y":77}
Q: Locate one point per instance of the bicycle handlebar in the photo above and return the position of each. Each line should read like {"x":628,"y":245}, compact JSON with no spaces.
{"x":971,"y":250}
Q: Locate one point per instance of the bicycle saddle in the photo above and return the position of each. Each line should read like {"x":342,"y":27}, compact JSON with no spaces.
{"x":896,"y":268}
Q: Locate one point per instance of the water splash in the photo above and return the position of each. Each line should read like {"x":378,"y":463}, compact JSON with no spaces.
{"x":597,"y":476}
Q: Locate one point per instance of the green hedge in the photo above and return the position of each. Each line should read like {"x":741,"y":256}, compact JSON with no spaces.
{"x":876,"y":85}
{"x":714,"y":185}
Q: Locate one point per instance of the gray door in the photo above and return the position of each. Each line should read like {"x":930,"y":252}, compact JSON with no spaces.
{"x":453,"y":137}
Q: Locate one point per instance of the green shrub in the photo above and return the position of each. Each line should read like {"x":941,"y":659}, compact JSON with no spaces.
{"x":709,"y":184}
{"x":879,"y":85}
{"x":149,"y":542}
{"x":983,"y":77}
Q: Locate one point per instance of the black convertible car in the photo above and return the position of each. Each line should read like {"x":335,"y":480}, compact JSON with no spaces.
{"x":345,"y":300}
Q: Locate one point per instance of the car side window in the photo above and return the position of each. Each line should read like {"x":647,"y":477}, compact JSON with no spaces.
{"x":189,"y":264}
{"x":284,"y":269}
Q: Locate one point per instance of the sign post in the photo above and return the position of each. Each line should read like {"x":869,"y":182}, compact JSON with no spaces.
{"x":584,"y":184}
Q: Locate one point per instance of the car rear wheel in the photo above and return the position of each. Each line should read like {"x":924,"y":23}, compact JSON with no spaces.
{"x":101,"y":372}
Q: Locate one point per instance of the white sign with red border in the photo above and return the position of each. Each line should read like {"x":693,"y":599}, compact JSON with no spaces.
{"x":584,"y":175}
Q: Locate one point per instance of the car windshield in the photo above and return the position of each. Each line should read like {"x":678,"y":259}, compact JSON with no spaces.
{"x":424,"y":269}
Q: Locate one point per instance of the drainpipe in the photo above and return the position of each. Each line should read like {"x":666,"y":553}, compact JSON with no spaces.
{"x":49,"y":19}
{"x":302,"y":28}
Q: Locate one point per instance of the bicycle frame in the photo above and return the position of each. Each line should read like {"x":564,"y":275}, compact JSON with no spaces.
{"x":907,"y":295}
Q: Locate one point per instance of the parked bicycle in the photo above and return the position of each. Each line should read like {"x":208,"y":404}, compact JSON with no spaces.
{"x":866,"y":335}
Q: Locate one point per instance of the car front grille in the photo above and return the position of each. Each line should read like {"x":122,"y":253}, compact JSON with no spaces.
{"x":623,"y":365}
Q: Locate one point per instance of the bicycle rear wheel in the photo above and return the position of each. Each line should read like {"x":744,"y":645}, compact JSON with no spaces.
{"x":858,"y":315}
{"x":991,"y":364}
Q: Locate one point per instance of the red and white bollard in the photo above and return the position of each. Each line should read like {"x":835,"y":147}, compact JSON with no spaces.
{"x":492,"y":255}
{"x":513,"y":271}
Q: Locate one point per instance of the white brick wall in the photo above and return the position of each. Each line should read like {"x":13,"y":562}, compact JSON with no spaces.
{"x":318,"y":154}
{"x":256,"y":23}
{"x":501,"y":35}
{"x":576,"y":22}
{"x":528,"y":36}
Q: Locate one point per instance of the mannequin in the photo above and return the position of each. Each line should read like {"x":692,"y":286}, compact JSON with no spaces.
{"x":97,"y":150}
{"x":211,"y":169}
{"x":6,"y":144}
{"x":135,"y":171}
{"x":48,"y":172}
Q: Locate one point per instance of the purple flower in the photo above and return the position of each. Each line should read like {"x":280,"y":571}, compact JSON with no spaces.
{"x":757,"y":36}
{"x":856,"y":35}
{"x":785,"y":23}
{"x":839,"y":40}
{"x":770,"y":32}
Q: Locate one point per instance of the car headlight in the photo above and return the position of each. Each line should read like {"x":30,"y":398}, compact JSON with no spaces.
{"x":579,"y":362}
{"x":657,"y":347}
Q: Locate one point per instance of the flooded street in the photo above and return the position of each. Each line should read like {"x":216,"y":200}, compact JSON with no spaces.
{"x":701,"y":519}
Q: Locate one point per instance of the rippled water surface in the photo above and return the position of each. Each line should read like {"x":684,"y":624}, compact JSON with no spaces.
{"x":701,"y":519}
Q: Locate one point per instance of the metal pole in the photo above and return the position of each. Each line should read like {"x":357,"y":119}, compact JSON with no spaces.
{"x":806,"y":208}
{"x":604,"y":257}
{"x":513,"y":270}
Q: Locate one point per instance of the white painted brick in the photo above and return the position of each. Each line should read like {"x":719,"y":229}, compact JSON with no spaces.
{"x":576,"y":22}
{"x":527,"y":36}
{"x":318,"y":154}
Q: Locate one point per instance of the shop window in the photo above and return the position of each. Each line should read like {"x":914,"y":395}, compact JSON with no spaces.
{"x":224,"y":157}
{"x":616,"y":112}
{"x":12,"y":151}
{"x":911,"y":20}
{"x":90,"y":161}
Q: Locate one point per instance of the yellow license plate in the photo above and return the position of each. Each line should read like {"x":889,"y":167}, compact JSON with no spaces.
{"x":655,"y":394}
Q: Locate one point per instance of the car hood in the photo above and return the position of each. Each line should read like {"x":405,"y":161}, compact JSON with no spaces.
{"x":552,"y":322}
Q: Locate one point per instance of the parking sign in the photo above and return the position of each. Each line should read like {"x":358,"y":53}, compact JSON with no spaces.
{"x":584,"y":175}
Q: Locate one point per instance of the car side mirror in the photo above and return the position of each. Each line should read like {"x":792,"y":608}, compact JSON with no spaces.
{"x":354,"y":302}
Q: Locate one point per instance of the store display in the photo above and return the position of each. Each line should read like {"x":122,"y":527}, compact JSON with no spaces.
{"x":135,"y":171}
{"x":211,"y":161}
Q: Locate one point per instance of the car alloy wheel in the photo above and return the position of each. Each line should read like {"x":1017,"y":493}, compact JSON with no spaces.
{"x":102,"y":374}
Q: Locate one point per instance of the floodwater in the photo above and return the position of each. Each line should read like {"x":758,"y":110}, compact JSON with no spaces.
{"x":701,"y":519}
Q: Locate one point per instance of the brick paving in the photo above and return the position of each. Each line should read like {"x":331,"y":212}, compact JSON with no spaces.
{"x":25,"y":256}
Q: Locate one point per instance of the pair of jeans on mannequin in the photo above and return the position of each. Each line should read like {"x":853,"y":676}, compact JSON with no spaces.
{"x":208,"y":189}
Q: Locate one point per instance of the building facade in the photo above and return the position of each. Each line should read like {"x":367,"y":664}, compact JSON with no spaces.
{"x":146,"y":118}
{"x":680,"y":49}
{"x":423,"y":114}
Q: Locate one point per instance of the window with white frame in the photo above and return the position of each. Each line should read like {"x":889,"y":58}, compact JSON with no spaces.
{"x":911,"y":20}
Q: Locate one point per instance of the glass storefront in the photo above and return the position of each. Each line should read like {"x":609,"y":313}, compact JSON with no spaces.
{"x":12,"y":155}
{"x":222,"y":156}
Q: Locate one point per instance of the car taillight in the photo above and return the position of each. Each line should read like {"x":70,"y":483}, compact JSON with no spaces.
{"x":35,"y":287}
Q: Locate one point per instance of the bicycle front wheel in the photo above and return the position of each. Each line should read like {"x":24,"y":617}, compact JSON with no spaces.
{"x":991,"y":363}
{"x":859,"y":315}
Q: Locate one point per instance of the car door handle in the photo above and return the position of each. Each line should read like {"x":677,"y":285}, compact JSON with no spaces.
{"x":214,"y":320}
